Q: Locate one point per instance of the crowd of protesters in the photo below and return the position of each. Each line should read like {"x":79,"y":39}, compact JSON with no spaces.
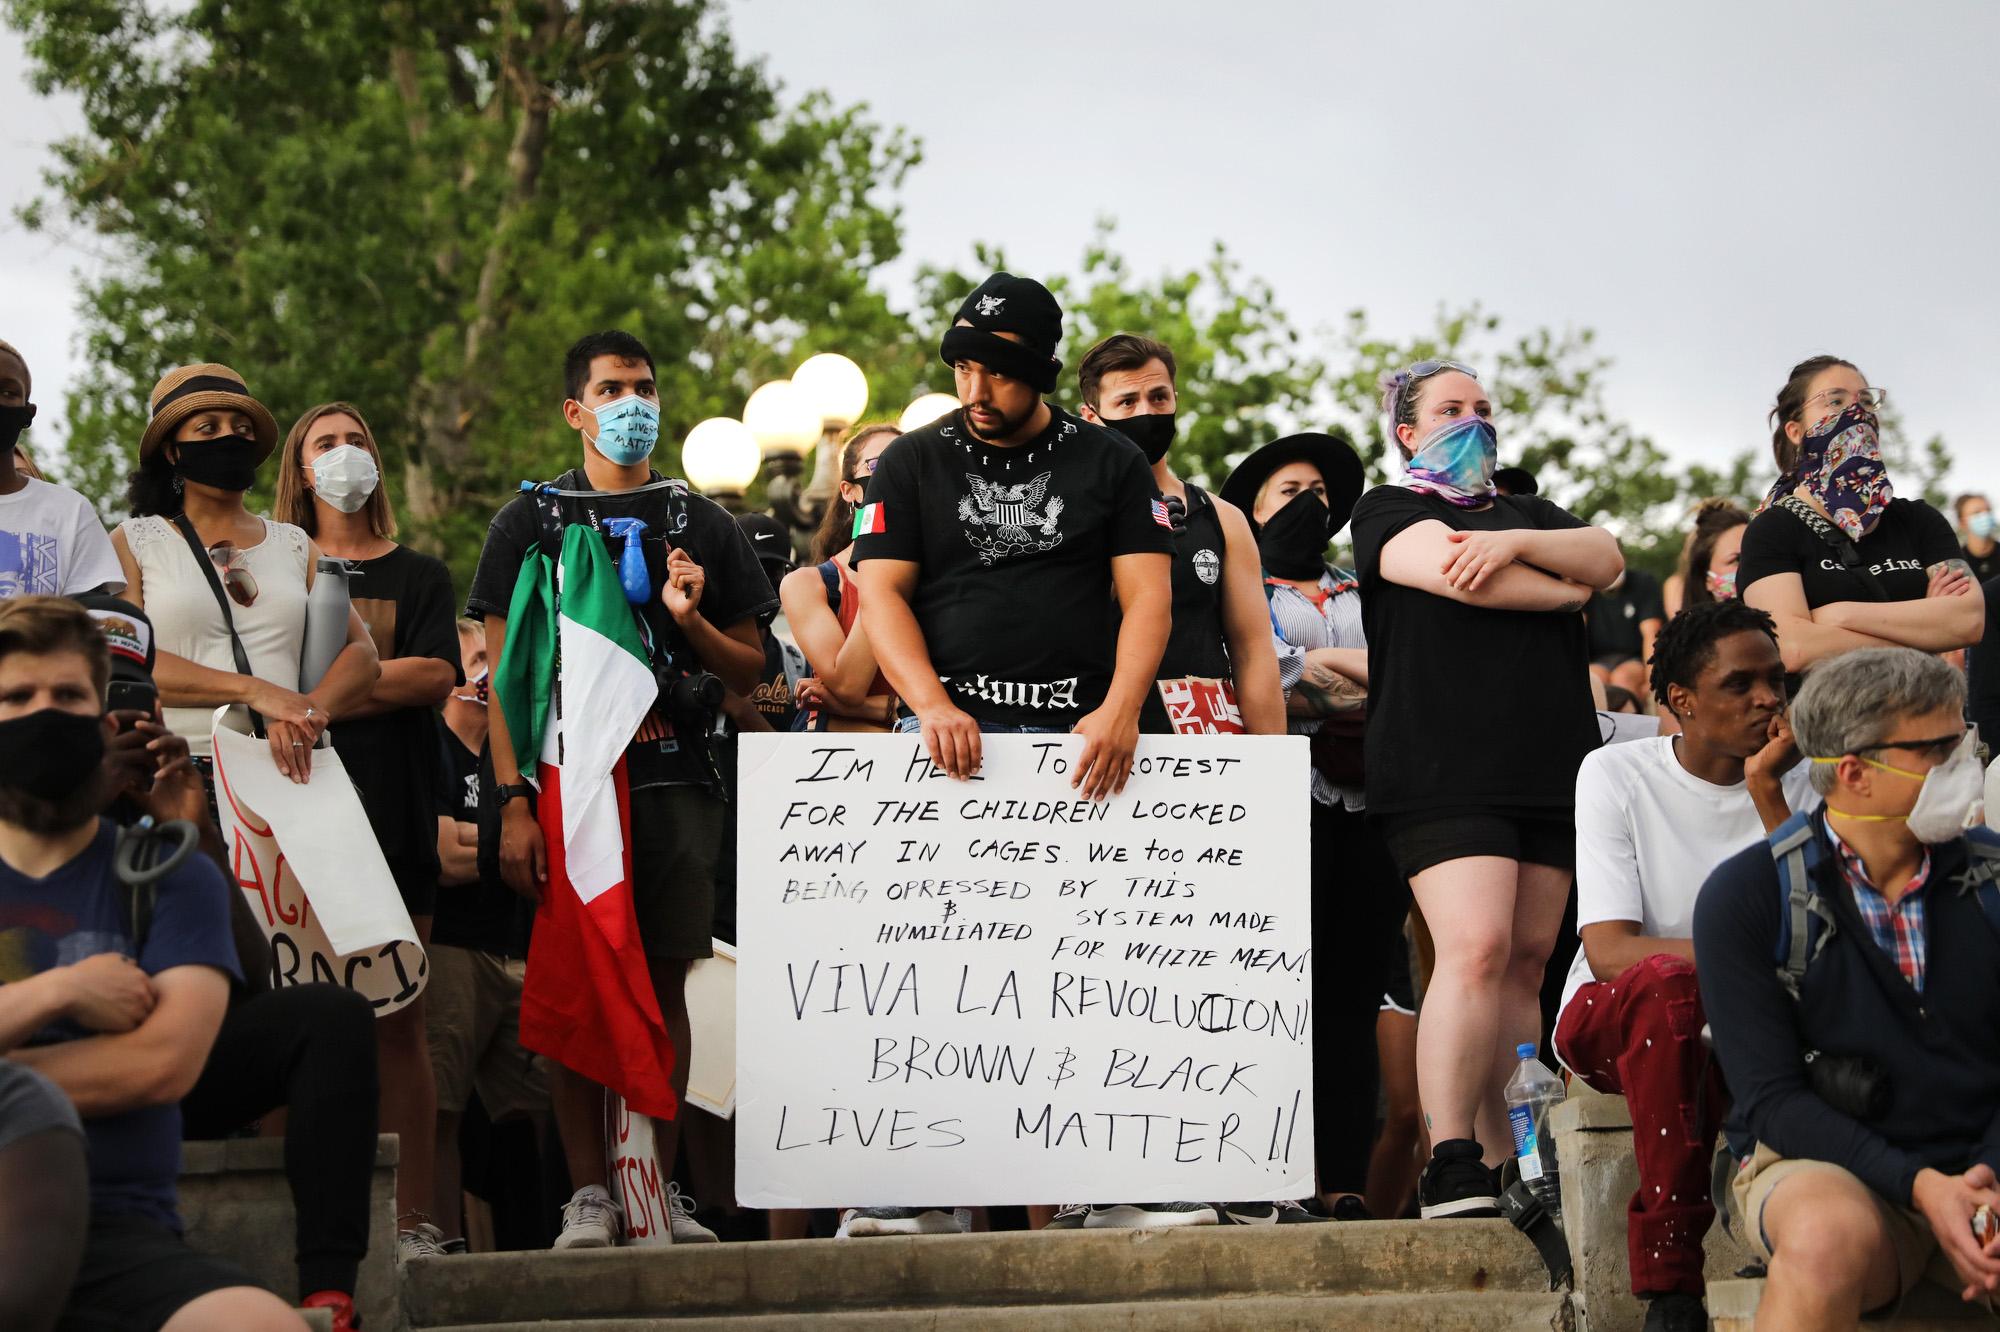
{"x":1715,"y":838}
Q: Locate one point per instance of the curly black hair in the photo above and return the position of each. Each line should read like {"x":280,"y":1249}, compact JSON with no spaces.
{"x":1687,"y":643}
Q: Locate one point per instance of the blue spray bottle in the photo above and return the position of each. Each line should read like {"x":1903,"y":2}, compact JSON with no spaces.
{"x":632,"y":560}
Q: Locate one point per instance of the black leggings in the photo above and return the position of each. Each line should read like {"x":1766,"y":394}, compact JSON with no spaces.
{"x":310,"y":1048}
{"x":1359,"y":903}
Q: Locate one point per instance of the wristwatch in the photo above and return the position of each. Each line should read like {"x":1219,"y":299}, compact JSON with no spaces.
{"x":518,"y":792}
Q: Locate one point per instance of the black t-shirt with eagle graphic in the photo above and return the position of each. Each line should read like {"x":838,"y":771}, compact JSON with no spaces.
{"x":1015,"y":595}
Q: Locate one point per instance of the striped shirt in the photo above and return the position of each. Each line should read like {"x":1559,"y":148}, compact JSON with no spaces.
{"x":1298,"y":626}
{"x":1897,"y":927}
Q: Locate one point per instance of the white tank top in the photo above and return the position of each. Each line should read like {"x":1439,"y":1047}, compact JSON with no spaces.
{"x":188,"y":623}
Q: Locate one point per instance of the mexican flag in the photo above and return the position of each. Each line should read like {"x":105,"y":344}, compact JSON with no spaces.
{"x":574,"y":683}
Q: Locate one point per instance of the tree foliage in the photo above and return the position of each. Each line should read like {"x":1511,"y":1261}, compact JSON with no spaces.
{"x":417,"y":207}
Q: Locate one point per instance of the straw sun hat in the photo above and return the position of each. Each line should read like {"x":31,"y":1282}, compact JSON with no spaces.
{"x":193,"y":389}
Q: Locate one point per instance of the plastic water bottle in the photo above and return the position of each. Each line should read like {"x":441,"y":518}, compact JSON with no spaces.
{"x":1531,"y":1093}
{"x":632,"y":575}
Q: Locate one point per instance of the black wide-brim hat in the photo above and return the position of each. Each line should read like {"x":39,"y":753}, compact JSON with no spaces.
{"x":1339,"y":466}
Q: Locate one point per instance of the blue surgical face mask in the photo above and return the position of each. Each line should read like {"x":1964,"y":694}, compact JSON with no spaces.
{"x":1982,"y":525}
{"x":627,"y":429}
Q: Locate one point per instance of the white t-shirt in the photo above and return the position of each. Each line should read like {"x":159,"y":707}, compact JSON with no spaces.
{"x":1648,"y":833}
{"x":52,"y":544}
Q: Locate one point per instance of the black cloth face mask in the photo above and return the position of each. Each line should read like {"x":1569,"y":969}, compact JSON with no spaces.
{"x":50,"y":754}
{"x":1293,"y":543}
{"x":13,"y":421}
{"x":1154,"y":433}
{"x":227,"y":463}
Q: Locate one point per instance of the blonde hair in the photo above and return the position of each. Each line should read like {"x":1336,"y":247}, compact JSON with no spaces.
{"x":293,"y":502}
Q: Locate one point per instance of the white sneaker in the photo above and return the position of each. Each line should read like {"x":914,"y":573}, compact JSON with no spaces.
{"x":422,"y":1240}
{"x":590,"y":1220}
{"x":680,"y":1213}
{"x":858,"y":1222}
{"x":1150,"y":1216}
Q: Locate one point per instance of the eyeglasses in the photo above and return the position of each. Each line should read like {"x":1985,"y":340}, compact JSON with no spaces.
{"x":1936,"y":749}
{"x":866,"y":467}
{"x":232,"y":566}
{"x":1840,"y":399}
{"x":1425,"y":369}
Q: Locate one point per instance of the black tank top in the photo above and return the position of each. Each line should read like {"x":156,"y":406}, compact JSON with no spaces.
{"x":1196,"y":645}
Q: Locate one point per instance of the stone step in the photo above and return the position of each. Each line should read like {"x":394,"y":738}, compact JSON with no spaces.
{"x":1732,"y":1307}
{"x":1020,"y":1269}
{"x":236,"y":1204}
{"x":1496,"y":1311}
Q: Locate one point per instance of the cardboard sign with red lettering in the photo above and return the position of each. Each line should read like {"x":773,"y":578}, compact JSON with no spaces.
{"x":315,"y":878}
{"x":635,"y":1178}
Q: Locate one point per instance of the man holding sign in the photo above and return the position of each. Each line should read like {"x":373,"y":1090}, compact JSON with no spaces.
{"x":991,"y":546}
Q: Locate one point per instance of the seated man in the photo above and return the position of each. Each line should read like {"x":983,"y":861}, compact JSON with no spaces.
{"x":1851,"y":973}
{"x":113,"y":996}
{"x":1653,"y":817}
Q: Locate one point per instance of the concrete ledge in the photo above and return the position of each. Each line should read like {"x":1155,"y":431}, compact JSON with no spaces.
{"x":1732,"y":1307}
{"x":1341,"y":1313}
{"x":236,"y":1204}
{"x":1432,"y":1259}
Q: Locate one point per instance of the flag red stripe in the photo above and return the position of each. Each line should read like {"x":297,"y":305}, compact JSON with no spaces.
{"x":588,"y":1001}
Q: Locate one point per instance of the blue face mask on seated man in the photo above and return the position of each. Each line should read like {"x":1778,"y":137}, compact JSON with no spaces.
{"x":627,"y":429}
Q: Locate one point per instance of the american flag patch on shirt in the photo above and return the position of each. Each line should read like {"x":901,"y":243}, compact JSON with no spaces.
{"x":1161,"y":516}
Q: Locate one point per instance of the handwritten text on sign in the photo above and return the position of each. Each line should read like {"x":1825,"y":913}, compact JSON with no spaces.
{"x":995,"y":991}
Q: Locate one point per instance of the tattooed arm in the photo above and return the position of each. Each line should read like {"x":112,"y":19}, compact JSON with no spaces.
{"x":1951,"y":615}
{"x":1418,"y":555}
{"x":1323,"y":691}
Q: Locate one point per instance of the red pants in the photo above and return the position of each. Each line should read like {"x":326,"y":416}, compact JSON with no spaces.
{"x":1640,"y":1037}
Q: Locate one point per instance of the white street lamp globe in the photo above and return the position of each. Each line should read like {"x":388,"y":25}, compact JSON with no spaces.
{"x":720,"y":456}
{"x":835,"y":386}
{"x":782,"y":419}
{"x":926,"y":410}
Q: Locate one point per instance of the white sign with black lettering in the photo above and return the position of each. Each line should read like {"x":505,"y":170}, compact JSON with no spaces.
{"x":988,"y":992}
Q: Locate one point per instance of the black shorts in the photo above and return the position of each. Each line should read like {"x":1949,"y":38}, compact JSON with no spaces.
{"x":676,"y":844}
{"x":137,"y":1274}
{"x":1420,"y":839}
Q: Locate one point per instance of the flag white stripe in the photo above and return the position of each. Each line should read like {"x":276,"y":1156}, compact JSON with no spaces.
{"x":606,"y":693}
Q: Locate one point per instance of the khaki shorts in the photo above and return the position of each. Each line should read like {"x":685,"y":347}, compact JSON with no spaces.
{"x":1917,"y":1252}
{"x":473,"y":1011}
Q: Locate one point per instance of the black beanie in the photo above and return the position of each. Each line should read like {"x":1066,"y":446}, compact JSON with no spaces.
{"x":1008,"y":304}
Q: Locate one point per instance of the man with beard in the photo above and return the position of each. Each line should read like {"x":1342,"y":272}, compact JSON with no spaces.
{"x":1219,"y":672}
{"x":1653,"y":817}
{"x":114,"y":1003}
{"x":990,"y":547}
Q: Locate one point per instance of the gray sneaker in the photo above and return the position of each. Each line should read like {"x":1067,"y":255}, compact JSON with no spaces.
{"x":861,"y":1222}
{"x":1151,"y":1216}
{"x":422,"y":1240}
{"x":590,"y":1220}
{"x":680,"y":1215}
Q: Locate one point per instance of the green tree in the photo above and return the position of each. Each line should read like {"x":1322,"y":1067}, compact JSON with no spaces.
{"x":417,"y":206}
{"x":1244,"y":372}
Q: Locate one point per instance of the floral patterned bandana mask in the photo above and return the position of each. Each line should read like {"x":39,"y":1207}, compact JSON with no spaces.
{"x":1840,"y":465}
{"x":1455,"y":462}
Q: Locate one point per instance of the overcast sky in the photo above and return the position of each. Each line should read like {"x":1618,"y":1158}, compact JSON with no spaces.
{"x":1718,"y":188}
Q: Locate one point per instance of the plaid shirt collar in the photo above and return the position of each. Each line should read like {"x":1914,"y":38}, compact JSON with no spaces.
{"x":1897,"y":927}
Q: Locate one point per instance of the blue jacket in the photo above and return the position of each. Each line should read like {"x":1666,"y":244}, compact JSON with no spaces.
{"x":1940,"y":1050}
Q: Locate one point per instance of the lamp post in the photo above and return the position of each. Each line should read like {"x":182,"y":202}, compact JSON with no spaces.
{"x":926,"y":410}
{"x":719,"y":458}
{"x":786,"y":425}
{"x":838,"y":390}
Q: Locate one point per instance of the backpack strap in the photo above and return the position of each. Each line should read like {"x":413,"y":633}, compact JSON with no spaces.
{"x":185,"y":526}
{"x":1981,"y":875}
{"x":1796,"y":849}
{"x":830,"y":575}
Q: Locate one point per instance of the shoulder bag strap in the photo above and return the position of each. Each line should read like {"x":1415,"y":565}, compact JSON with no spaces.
{"x":207,"y":565}
{"x":1844,"y":550}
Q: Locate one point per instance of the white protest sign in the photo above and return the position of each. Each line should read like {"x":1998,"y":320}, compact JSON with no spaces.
{"x":308,"y":862}
{"x":988,"y":992}
{"x":711,"y":1005}
{"x":635,"y":1177}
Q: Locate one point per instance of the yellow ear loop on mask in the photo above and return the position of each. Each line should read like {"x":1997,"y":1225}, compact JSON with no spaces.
{"x":1833,"y":813}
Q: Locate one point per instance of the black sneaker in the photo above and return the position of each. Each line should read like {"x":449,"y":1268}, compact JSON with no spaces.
{"x":1676,"y":1311}
{"x":1150,"y":1216}
{"x":1455,"y":1184}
